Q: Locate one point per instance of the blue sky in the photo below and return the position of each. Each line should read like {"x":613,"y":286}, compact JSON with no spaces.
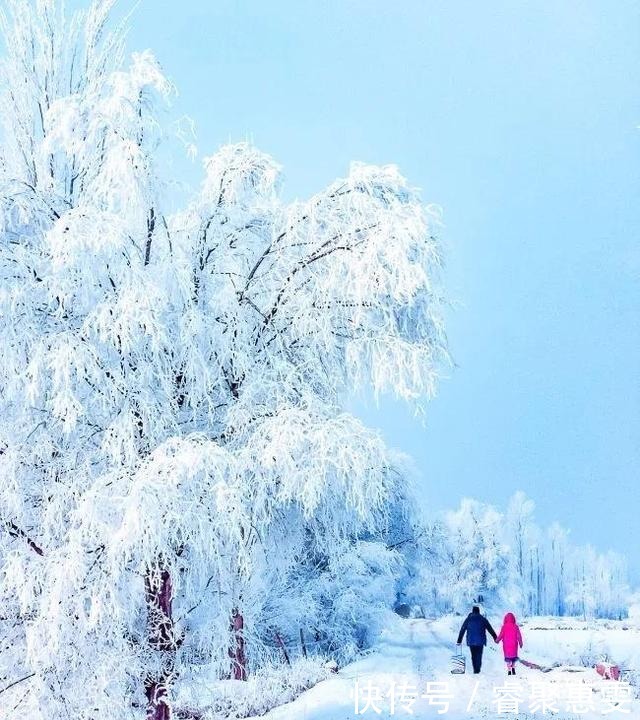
{"x":519,"y":119}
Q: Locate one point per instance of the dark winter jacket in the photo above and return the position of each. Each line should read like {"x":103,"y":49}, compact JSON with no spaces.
{"x":476,"y":627}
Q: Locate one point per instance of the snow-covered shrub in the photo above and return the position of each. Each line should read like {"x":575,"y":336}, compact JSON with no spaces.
{"x":594,"y":650}
{"x":633,"y":678}
{"x":338,"y":599}
{"x":355,"y":595}
{"x":634,"y":609}
{"x":271,"y":685}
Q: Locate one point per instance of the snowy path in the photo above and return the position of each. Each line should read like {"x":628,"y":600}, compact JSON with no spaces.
{"x":415,"y":654}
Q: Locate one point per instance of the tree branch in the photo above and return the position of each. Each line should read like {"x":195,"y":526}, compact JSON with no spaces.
{"x":17,"y":532}
{"x":151,"y":226}
{"x":17,"y":682}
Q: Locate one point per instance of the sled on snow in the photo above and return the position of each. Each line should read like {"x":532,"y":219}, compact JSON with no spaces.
{"x":606,"y":670}
{"x":541,"y":668}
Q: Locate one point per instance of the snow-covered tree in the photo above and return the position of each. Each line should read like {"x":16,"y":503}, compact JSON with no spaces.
{"x":478,"y":561}
{"x":426,"y":570}
{"x":582,"y":597}
{"x":557,"y":570}
{"x":520,"y":529}
{"x":172,"y":438}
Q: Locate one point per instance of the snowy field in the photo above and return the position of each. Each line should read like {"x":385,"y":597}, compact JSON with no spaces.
{"x":408,"y":675}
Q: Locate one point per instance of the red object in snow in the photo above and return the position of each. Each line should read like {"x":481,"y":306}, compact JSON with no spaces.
{"x":608,"y":671}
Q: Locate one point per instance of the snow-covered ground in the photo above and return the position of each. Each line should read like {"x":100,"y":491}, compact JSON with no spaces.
{"x":408,"y":675}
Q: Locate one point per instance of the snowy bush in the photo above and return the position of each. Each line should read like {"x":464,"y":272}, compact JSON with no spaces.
{"x":270,"y":686}
{"x":594,"y":650}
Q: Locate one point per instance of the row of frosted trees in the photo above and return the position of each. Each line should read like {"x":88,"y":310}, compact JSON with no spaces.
{"x":179,"y":482}
{"x":509,"y":560}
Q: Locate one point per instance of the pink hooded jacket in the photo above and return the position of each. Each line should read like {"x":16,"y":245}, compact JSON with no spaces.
{"x":510,"y":636}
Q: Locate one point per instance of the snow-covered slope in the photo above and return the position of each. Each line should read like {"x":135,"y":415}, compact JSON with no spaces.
{"x":408,"y":674}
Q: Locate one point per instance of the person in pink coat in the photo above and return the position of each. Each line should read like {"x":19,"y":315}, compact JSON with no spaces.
{"x":511,"y":639}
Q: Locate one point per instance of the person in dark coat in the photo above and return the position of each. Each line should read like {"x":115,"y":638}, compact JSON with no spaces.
{"x":476,"y":627}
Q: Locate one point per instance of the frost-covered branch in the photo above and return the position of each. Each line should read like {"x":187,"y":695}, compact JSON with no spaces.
{"x":17,"y":682}
{"x":18,"y":532}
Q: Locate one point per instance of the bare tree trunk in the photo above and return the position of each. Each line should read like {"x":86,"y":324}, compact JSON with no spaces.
{"x":161,"y":638}
{"x":237,"y":654}
{"x":302,"y":642}
{"x":284,"y":649}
